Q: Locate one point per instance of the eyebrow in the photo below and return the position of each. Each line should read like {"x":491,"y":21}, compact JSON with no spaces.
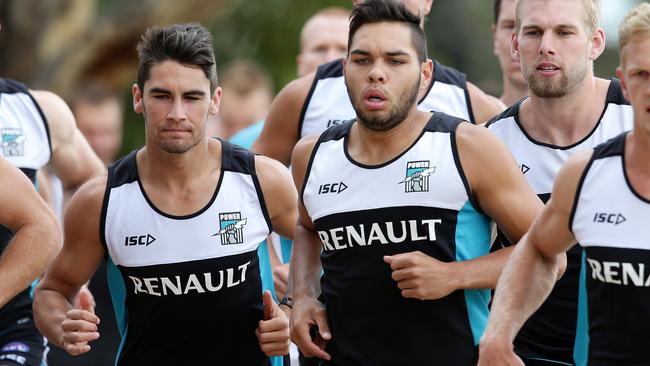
{"x":157,"y":90}
{"x":560,"y":26}
{"x":389,"y":53}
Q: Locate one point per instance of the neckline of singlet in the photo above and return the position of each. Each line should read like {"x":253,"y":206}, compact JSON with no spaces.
{"x":386,"y":163}
{"x":556,"y":147}
{"x":225,"y":149}
{"x":625,"y":175}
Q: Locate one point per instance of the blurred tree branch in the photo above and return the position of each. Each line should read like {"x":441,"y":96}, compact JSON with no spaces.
{"x":57,"y":44}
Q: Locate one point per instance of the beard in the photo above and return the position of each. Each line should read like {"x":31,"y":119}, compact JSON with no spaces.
{"x":175,"y":146}
{"x":374,"y":121}
{"x":548,"y":88}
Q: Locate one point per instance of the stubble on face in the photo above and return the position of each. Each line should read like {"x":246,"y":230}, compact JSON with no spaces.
{"x":549,"y":88}
{"x":175,"y":146}
{"x":373,"y":120}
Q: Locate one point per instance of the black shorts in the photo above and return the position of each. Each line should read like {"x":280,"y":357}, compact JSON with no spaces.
{"x":23,"y":351}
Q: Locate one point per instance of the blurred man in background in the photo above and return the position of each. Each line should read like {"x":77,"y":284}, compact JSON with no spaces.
{"x":248,"y":91}
{"x":514,"y":84}
{"x":99,"y":115}
{"x":323,"y":38}
{"x":36,"y":128}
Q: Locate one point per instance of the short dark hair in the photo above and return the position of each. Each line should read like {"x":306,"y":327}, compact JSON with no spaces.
{"x":188,"y":44}
{"x":375,"y":11}
{"x":497,"y":10}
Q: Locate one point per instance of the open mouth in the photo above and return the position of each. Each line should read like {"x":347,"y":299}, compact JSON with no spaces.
{"x":374,"y":99}
{"x":548,"y":68}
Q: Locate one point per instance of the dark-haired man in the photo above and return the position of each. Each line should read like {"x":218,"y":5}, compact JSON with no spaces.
{"x":399,"y":200}
{"x":37,"y":128}
{"x":35,"y":243}
{"x":514,"y":84}
{"x":179,"y":222}
{"x":315,"y":102}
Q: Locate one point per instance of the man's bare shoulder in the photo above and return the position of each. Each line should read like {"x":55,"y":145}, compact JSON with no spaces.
{"x":58,"y":115}
{"x":92,"y":191}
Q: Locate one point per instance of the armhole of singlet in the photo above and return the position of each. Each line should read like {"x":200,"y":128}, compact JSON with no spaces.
{"x":102,"y":220}
{"x":46,"y":124}
{"x":305,"y":105}
{"x":260,"y":194}
{"x":461,"y":171}
{"x":309,"y":164}
{"x":468,"y":102}
{"x":574,"y":206}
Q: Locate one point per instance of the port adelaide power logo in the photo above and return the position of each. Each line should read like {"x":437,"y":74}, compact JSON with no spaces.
{"x":12,"y":142}
{"x":231,"y":228}
{"x":417,"y":176}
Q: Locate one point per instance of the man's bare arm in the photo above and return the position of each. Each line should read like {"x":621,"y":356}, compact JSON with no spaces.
{"x":73,"y":160}
{"x":502,"y":193}
{"x":306,"y":268}
{"x":280,"y":195}
{"x":281,"y":127}
{"x":37,"y":237}
{"x":82,"y":251}
{"x":529,"y":275}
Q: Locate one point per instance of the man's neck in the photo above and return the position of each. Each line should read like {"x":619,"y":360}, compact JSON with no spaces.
{"x":512,"y":92}
{"x":637,"y":150}
{"x":371,"y":147}
{"x":566,"y":120}
{"x":178,"y":170}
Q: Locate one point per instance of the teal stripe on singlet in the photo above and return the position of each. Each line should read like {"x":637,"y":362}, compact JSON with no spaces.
{"x":118,"y":296}
{"x":472,"y":241}
{"x":266,"y":273}
{"x":581,"y":348}
{"x":285,"y":246}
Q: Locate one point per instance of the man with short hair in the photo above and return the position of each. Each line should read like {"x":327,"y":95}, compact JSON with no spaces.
{"x":514,"y":84}
{"x":179,"y":223}
{"x":315,"y":102}
{"x":399,"y":200}
{"x":248,"y":91}
{"x":569,"y":110}
{"x":601,"y":200}
{"x":98,"y":112}
{"x":323,"y":38}
{"x":37,"y":128}
{"x":35,"y":243}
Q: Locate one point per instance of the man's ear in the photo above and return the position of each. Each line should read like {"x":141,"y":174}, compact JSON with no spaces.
{"x":138,"y":106}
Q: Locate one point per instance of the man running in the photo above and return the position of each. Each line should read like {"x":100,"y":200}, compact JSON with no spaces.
{"x":179,"y":222}
{"x":601,"y":200}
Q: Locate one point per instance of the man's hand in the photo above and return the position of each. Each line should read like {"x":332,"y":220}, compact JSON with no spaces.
{"x":497,"y":352}
{"x":420,"y":276}
{"x":86,"y":292}
{"x":305,"y":314}
{"x":281,"y":279}
{"x":80,"y":326}
{"x":273,"y":332}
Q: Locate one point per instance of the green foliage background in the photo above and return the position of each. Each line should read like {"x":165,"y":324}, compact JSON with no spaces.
{"x":267,"y":31}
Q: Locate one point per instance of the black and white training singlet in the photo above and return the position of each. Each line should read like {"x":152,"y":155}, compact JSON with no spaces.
{"x":328,"y":103}
{"x":24,"y":142}
{"x":550,"y":334}
{"x":187,"y":289}
{"x":418,"y":201}
{"x":610,"y":220}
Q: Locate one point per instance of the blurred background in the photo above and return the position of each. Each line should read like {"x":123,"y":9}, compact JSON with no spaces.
{"x":62,"y":45}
